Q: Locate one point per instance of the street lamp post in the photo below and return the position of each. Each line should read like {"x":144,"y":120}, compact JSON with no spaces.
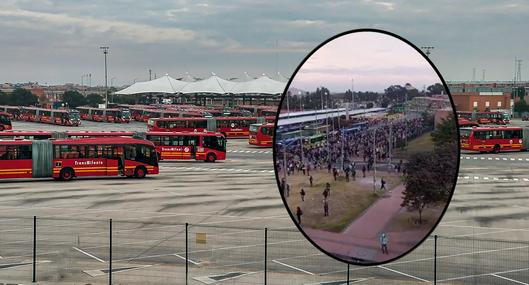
{"x":105,"y":52}
{"x":374,"y":159}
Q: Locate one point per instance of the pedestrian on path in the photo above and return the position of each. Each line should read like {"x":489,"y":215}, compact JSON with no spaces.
{"x":364,"y":170}
{"x":384,"y":240}
{"x":353,"y":173}
{"x":310,"y":180}
{"x":383,"y":184}
{"x":302,"y":193}
{"x":325,"y":208}
{"x":328,"y":188}
{"x":299,"y":213}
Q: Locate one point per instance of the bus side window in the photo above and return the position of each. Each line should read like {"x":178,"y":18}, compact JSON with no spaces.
{"x":165,"y":140}
{"x":24,"y":152}
{"x":130,"y":152}
{"x":3,"y":152}
{"x":92,"y":152}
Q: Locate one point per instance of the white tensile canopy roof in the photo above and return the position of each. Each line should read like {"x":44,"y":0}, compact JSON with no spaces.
{"x":261,"y":85}
{"x":213,"y":84}
{"x":164,"y":84}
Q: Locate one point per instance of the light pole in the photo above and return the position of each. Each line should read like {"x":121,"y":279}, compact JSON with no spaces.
{"x":352,"y":93}
{"x":374,"y":159}
{"x":105,"y":52}
{"x":427,"y":50}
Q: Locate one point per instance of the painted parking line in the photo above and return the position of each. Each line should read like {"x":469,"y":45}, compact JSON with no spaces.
{"x":220,"y":169}
{"x":484,"y":274}
{"x":509,"y":279}
{"x":249,"y":151}
{"x":493,"y":158}
{"x":293,"y":267}
{"x":404,"y":274}
{"x":100,"y":272}
{"x":515,"y":179}
{"x":189,"y":260}
{"x":88,"y":254}
{"x":211,"y":279}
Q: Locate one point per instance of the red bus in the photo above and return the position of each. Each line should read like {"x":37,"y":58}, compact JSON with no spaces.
{"x":464,"y":123}
{"x":261,"y":134}
{"x":493,"y":139}
{"x":51,"y":116}
{"x":104,"y":115}
{"x":230,"y":127}
{"x":206,"y":146}
{"x":12,"y":111}
{"x":499,"y":118}
{"x":5,"y":121}
{"x":43,"y":135}
{"x":68,"y":158}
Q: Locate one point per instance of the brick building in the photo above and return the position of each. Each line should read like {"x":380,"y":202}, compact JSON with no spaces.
{"x":481,"y":101}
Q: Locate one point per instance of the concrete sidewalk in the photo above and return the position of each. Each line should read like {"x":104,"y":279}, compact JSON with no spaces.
{"x":360,"y":238}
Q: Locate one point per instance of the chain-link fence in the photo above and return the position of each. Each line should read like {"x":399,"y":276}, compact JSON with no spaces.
{"x":60,"y":251}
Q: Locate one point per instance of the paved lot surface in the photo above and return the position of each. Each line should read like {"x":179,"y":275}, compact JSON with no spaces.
{"x":233,"y":201}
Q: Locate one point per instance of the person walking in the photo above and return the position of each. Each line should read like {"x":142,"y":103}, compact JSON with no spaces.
{"x":325,"y":194}
{"x":384,"y":240}
{"x":353,"y":173}
{"x":328,"y":188}
{"x":310,"y":180}
{"x":288,"y":190}
{"x":299,"y":213}
{"x":325,"y":208}
{"x":302,"y":193}
{"x":364,"y":170}
{"x":383,"y":184}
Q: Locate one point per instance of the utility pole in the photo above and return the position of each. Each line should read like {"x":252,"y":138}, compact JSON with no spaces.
{"x":150,"y":74}
{"x":89,"y":79}
{"x":374,"y":159}
{"x":105,"y":52}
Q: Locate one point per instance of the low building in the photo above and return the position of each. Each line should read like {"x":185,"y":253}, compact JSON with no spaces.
{"x":482,"y":101}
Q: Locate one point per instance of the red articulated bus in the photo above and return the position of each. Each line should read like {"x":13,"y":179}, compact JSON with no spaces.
{"x":494,"y":139}
{"x":5,"y":121}
{"x":51,"y":116}
{"x":261,"y":134}
{"x":104,"y":115}
{"x":205,"y":146}
{"x":12,"y":111}
{"x":464,"y":123}
{"x":230,"y":127}
{"x":68,"y":158}
{"x":43,"y":135}
{"x":498,"y":118}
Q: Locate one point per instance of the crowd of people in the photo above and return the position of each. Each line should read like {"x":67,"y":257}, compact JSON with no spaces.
{"x":372,"y":143}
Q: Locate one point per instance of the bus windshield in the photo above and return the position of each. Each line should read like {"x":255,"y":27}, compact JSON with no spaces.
{"x":217,"y":143}
{"x":125,"y":114}
{"x":141,"y":153}
{"x":74,"y":115}
{"x":464,"y":133}
{"x":254,"y":128}
{"x":4,"y":120}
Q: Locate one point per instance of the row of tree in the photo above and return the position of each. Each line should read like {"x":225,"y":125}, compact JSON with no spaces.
{"x":394,"y":94}
{"x":23,"y":97}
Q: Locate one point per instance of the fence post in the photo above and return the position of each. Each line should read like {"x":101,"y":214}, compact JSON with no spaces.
{"x":110,"y":254}
{"x":348,"y":273}
{"x":266,"y":256}
{"x":435,"y":259}
{"x":34,"y":248}
{"x":187,"y":252}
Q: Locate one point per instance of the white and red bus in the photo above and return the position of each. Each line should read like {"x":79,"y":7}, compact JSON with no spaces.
{"x":464,"y":123}
{"x":499,"y":118}
{"x":68,"y":158}
{"x":43,"y":135}
{"x":494,"y":139}
{"x":113,"y":115}
{"x":51,"y":116}
{"x":5,"y":121}
{"x":230,"y":127}
{"x":205,"y":146}
{"x":261,"y":134}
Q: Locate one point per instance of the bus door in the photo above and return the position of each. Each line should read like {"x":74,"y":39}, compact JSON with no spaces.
{"x":119,"y":154}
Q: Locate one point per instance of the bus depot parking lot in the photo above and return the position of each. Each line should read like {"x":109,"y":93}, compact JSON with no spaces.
{"x":483,"y":236}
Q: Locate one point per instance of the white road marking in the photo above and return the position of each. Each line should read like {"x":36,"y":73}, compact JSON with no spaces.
{"x":293,"y":267}
{"x":88,"y":254}
{"x":191,"y":261}
{"x":402,"y":273}
{"x":483,"y":274}
{"x":509,"y":279}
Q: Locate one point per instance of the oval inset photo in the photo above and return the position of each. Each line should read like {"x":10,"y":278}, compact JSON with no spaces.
{"x":366,"y":147}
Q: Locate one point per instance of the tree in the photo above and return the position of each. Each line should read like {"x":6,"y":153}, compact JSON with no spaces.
{"x":4,"y":98}
{"x":430,"y":175}
{"x":521,"y":106}
{"x":93,"y":99}
{"x":23,"y":97}
{"x":73,"y":98}
{"x":436,"y":89}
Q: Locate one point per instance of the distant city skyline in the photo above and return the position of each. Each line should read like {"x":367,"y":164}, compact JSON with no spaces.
{"x":57,"y":41}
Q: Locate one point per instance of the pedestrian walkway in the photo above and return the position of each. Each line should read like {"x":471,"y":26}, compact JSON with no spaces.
{"x":360,"y":238}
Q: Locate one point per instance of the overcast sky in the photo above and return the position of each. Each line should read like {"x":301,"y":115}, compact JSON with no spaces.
{"x":373,"y":60}
{"x":57,"y":41}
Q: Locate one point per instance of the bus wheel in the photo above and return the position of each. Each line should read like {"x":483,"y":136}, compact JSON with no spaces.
{"x":211,"y":157}
{"x":496,"y":149}
{"x":66,"y":174}
{"x":140,"y":172}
